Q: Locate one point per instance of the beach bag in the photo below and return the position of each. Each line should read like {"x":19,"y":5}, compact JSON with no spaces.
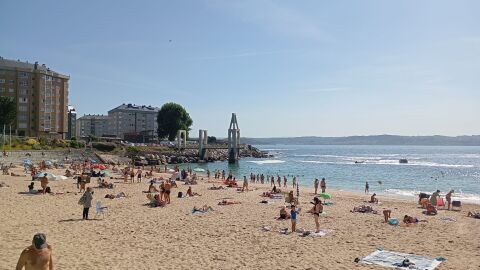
{"x":180,"y":195}
{"x":81,"y":201}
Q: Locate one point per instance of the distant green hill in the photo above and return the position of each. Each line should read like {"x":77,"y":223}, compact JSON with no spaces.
{"x":473,"y":140}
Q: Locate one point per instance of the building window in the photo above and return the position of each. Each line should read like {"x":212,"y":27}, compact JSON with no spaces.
{"x":23,"y":91}
{"x":2,"y":89}
{"x":22,"y":108}
{"x":12,"y":81}
{"x":22,"y":117}
{"x":22,"y":100}
{"x":23,"y":74}
{"x":23,"y":83}
{"x":22,"y":125}
{"x":2,"y":80}
{"x":11,"y":90}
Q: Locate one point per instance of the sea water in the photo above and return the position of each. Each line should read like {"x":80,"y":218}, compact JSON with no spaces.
{"x":429,"y":168}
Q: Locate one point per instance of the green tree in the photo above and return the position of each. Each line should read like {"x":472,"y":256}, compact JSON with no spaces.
{"x":171,"y":118}
{"x":8,"y":111}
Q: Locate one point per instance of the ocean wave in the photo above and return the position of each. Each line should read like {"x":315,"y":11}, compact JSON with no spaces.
{"x":268,"y":161}
{"x":464,"y":197}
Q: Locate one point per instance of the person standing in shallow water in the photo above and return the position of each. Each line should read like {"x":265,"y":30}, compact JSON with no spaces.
{"x":315,"y":185}
{"x":366,"y":187}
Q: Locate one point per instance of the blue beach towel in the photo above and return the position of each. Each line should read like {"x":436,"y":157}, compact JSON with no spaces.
{"x":394,"y":259}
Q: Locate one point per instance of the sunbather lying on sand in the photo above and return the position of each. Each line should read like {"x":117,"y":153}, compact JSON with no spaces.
{"x":411,"y":220}
{"x":205,"y":208}
{"x":216,"y":188}
{"x":119,"y":195}
{"x":225,"y":202}
{"x":364,"y":209}
{"x":474,"y":214}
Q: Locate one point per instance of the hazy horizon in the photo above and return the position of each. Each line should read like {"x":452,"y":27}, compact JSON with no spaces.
{"x":290,"y":69}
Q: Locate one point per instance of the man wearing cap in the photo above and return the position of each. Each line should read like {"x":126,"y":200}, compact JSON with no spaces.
{"x":38,"y":256}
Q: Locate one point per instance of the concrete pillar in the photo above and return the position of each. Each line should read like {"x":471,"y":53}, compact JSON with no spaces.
{"x":181,"y":139}
{"x":233,"y":140}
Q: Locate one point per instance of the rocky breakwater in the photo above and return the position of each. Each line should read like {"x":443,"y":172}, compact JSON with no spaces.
{"x":173,"y":156}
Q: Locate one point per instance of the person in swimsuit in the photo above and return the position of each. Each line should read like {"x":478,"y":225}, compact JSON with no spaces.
{"x":167,"y":188}
{"x":283,"y":213}
{"x":373,"y":199}
{"x":139,"y":176}
{"x":323,"y":185}
{"x":366,"y":187}
{"x":316,"y":210}
{"x":284,"y":181}
{"x":448,"y":197}
{"x":315,"y":185}
{"x":293,"y":217}
{"x":294,"y":181}
{"x":162,"y":190}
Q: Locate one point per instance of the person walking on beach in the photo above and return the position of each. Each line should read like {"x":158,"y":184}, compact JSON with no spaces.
{"x":86,"y":201}
{"x":315,"y":185}
{"x":44,"y":183}
{"x":366,"y":187}
{"x":284,"y":181}
{"x":272,"y":181}
{"x":38,"y":256}
{"x":293,"y":217}
{"x":279,"y":181}
{"x":294,"y":181}
{"x":132,"y":176}
{"x":448,"y":197}
{"x":323,"y":185}
{"x":245,"y":184}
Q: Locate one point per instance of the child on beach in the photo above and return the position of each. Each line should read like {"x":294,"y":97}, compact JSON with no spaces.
{"x":293,"y":217}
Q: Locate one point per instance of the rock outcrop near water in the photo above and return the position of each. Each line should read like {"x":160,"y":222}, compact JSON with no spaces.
{"x":173,"y":156}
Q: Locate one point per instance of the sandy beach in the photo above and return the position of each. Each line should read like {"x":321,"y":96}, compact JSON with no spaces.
{"x":135,"y":236}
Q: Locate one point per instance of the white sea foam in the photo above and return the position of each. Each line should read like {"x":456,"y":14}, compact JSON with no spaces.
{"x":268,"y":161}
{"x":464,"y":197}
{"x":392,"y":162}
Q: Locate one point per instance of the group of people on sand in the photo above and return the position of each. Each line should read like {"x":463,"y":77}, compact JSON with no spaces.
{"x":316,"y":210}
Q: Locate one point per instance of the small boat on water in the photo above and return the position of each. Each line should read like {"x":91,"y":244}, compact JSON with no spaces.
{"x":403,"y":161}
{"x":359,"y":162}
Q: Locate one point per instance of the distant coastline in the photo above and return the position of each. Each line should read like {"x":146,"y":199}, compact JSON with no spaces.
{"x":436,"y":140}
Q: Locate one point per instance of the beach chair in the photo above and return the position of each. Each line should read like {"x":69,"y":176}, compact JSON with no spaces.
{"x":456,"y":205}
{"x":99,"y":209}
{"x":440,"y":203}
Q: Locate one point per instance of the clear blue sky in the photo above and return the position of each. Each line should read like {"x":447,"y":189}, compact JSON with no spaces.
{"x":287,"y":68}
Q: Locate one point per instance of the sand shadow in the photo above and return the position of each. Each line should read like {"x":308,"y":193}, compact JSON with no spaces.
{"x":77,"y":219}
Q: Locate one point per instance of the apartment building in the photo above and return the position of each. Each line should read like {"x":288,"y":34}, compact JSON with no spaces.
{"x":138,"y":123}
{"x":41,"y":97}
{"x":92,"y":124}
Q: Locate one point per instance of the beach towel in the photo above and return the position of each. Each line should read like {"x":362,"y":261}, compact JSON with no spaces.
{"x":448,"y":219}
{"x":321,"y":233}
{"x":394,"y":259}
{"x":197,"y":212}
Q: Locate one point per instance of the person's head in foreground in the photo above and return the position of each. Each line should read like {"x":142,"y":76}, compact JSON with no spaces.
{"x":45,"y":175}
{"x":39,"y":241}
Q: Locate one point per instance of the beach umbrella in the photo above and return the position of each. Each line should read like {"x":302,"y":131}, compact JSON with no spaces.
{"x":59,"y":177}
{"x":99,"y":166}
{"x":325,"y":195}
{"x":27,"y":162}
{"x":49,"y":175}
